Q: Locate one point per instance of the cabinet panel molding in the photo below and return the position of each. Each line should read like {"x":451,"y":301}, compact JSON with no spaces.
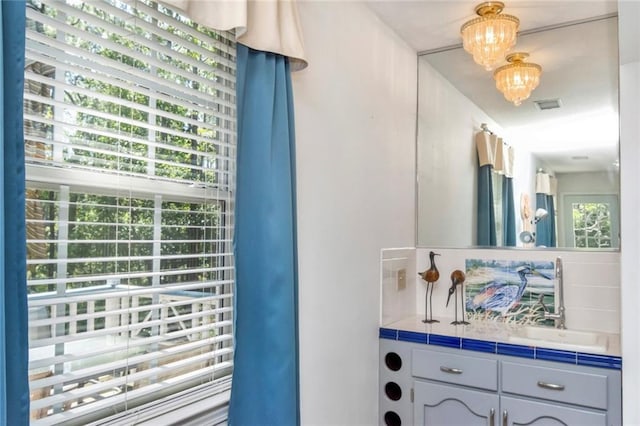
{"x":521,"y":412}
{"x":437,"y":404}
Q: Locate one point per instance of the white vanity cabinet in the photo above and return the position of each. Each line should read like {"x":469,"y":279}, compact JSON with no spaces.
{"x":444,"y":386}
{"x":564,"y":394}
{"x":437,"y":404}
{"x":516,"y":411}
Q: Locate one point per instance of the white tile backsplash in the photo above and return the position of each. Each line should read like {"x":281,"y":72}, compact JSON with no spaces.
{"x":592,"y":297}
{"x":606,"y":321}
{"x":591,"y":283}
{"x":595,"y":272}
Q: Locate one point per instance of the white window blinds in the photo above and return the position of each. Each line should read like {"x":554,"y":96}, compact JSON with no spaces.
{"x":130,"y":154}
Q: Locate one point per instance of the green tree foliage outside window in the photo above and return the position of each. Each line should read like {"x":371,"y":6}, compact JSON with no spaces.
{"x":591,"y":225}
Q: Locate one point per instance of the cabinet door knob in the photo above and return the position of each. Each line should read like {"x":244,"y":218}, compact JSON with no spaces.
{"x":450,"y":370}
{"x":492,"y":417}
{"x":505,"y":418}
{"x":551,"y":386}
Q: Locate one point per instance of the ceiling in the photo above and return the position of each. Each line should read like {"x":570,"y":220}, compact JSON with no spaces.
{"x":579,"y":63}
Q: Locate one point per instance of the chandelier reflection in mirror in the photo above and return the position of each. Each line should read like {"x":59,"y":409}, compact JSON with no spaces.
{"x":517,"y":79}
{"x":489,"y":36}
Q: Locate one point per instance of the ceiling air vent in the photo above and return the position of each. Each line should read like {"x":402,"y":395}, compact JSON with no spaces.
{"x":548,"y":104}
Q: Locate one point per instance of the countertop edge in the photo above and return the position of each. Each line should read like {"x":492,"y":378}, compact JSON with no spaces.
{"x":501,"y":348}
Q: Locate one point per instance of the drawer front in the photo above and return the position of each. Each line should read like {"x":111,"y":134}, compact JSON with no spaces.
{"x":459,"y":369}
{"x":586,"y":389}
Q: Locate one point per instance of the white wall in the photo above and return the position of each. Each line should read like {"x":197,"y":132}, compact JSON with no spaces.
{"x":355,"y":129}
{"x":629,"y":35}
{"x":447,"y":163}
{"x":588,"y":183}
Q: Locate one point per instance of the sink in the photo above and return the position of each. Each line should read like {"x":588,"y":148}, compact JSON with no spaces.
{"x":572,"y":340}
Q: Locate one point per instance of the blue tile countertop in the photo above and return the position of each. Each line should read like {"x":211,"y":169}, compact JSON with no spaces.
{"x":492,"y":337}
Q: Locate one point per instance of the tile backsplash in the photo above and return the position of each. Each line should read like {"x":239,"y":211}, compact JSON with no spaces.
{"x":591,"y":283}
{"x":397,"y":298}
{"x":510,"y":290}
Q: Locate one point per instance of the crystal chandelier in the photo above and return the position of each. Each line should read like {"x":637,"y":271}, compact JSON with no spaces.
{"x":490,"y":35}
{"x":517,"y":79}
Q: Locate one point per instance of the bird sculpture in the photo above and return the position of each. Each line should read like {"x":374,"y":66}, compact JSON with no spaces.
{"x":457,"y":279}
{"x":431,"y":275}
{"x":501,"y":296}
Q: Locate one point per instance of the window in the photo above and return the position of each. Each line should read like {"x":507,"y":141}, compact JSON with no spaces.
{"x":590,"y":221}
{"x":592,"y":225}
{"x":130,"y":163}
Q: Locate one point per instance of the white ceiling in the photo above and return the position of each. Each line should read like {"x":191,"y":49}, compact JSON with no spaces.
{"x":579,"y":65}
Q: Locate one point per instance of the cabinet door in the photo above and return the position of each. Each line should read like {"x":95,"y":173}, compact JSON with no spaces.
{"x":515,"y":411}
{"x":443,"y":405}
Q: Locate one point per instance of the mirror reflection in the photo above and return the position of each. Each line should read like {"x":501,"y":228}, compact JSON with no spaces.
{"x":542,"y":174}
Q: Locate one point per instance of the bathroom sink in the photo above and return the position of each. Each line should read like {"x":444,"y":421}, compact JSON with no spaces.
{"x":571,"y":340}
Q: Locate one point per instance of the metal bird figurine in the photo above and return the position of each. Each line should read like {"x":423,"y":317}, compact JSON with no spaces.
{"x":457,"y":279}
{"x":501,"y":296}
{"x":431,"y":275}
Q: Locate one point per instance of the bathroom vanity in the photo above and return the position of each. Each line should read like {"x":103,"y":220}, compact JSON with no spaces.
{"x":499,"y":370}
{"x":454,"y":376}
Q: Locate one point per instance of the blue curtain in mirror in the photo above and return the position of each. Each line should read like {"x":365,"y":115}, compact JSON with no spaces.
{"x":265,"y":377}
{"x":543,"y":229}
{"x":552,"y":221}
{"x":486,"y":214}
{"x":14,"y":352}
{"x":508,"y":212}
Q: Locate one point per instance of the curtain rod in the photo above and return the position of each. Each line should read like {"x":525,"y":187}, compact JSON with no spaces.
{"x":485,"y":128}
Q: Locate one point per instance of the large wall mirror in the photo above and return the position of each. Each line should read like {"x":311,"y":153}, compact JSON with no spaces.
{"x":564,"y":138}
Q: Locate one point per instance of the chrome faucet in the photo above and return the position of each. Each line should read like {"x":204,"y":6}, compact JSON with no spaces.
{"x":559,"y":318}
